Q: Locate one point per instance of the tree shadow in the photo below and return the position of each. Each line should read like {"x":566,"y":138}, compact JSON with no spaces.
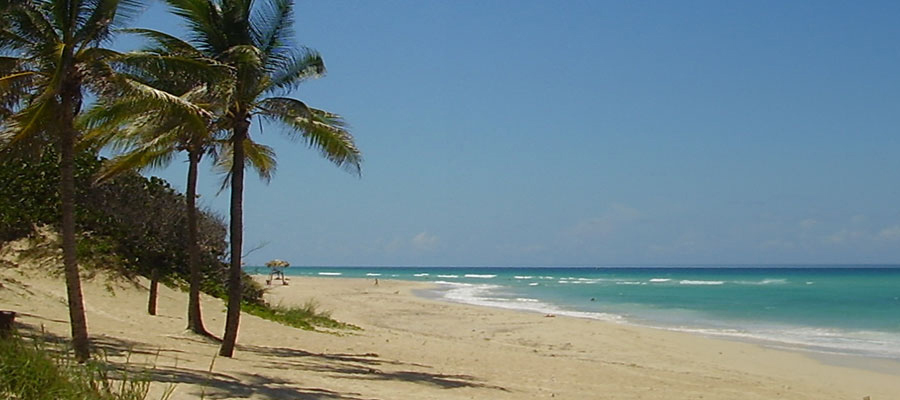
{"x":362,"y":366}
{"x":444,"y":381}
{"x":216,"y":385}
{"x":219,"y":385}
{"x":285,"y":352}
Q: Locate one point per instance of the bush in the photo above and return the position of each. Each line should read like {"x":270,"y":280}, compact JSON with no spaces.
{"x":30,"y":370}
{"x":131,"y":222}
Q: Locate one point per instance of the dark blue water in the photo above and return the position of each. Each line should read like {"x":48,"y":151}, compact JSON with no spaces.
{"x":833,"y":309}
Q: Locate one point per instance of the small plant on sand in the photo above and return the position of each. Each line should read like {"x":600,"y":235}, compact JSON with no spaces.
{"x":308,"y":316}
{"x":31,"y":369}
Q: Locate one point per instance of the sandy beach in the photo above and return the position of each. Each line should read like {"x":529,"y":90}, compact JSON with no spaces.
{"x":411,"y":347}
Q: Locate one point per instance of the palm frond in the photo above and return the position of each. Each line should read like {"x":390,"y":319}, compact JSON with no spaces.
{"x":13,"y":90}
{"x":63,"y":14}
{"x":147,"y":156}
{"x":174,"y":73}
{"x":272,"y":23}
{"x":30,"y":129}
{"x":164,"y":43}
{"x":290,"y":69}
{"x":319,"y":129}
{"x":26,"y":26}
{"x":246,"y":56}
{"x":259,"y":157}
{"x":95,"y":27}
{"x":148,"y":95}
{"x":204,"y":20}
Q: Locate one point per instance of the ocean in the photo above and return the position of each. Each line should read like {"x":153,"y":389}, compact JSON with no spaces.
{"x":833,"y":309}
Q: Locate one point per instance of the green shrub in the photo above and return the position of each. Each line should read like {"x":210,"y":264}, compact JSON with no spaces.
{"x":31,"y":370}
{"x":131,"y":224}
{"x":306,"y":317}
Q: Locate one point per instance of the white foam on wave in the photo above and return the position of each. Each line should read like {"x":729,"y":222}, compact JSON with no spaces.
{"x":533,"y":284}
{"x":481,"y":295}
{"x":523,"y":277}
{"x":372,"y":274}
{"x":480,"y":276}
{"x":589,"y":281}
{"x":330,"y":273}
{"x":660,"y":280}
{"x":833,"y":341}
{"x":423,"y":274}
{"x":690,"y":282}
{"x":448,"y":276}
{"x":447,"y":283}
{"x":764,"y":282}
{"x":630,"y":283}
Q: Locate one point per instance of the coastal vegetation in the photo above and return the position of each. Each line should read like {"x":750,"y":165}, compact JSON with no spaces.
{"x":64,"y":97}
{"x":53,"y":59}
{"x":254,"y":39}
{"x":32,"y":369}
{"x":308,"y":316}
{"x":150,"y":127}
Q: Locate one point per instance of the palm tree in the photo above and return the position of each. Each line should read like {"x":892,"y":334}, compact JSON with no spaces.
{"x":254,"y":38}
{"x":53,"y":56}
{"x":175,"y":112}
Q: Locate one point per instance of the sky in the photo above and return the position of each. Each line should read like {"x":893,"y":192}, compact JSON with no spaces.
{"x":583,"y":133}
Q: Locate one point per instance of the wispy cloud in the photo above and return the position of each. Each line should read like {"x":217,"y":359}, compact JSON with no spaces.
{"x":613,"y":219}
{"x":420,"y":242}
{"x":809,"y":223}
{"x":424,"y":241}
{"x":891,"y":233}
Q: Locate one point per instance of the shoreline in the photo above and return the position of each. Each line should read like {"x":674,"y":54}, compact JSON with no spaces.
{"x":436,"y":290}
{"x":413,"y":347}
{"x":885,"y":365}
{"x":795,"y":365}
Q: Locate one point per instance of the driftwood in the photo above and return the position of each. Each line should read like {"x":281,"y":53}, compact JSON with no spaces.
{"x":6,"y":323}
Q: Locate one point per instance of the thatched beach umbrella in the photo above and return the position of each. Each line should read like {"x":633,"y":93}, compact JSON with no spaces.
{"x":276,"y":267}
{"x":276,"y":263}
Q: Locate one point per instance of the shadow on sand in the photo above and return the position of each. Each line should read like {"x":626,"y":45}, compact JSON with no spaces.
{"x":218,"y":385}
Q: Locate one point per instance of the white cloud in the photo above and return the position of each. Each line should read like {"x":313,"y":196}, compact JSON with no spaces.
{"x":808,"y":223}
{"x":890,"y":233}
{"x":424,"y":241}
{"x":615,"y":217}
{"x":843,"y":236}
{"x":777,"y":244}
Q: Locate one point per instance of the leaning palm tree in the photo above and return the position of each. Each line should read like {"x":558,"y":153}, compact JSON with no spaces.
{"x":254,"y":38}
{"x":177,"y":111}
{"x":52,"y":57}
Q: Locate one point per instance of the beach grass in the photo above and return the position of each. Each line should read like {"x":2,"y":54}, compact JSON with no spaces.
{"x":33,"y":369}
{"x":307,"y":316}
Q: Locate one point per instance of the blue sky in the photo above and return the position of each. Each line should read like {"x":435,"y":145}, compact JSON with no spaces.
{"x":588,"y":133}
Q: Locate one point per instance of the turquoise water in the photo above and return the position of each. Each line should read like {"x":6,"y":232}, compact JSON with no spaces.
{"x":835,"y":309}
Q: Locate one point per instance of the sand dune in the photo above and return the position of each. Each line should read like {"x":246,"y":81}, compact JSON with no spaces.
{"x":415,"y":348}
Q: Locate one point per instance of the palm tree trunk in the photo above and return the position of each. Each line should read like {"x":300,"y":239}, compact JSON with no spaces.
{"x":237,"y":238}
{"x":77,"y":319}
{"x":154,"y":291}
{"x":195,"y":320}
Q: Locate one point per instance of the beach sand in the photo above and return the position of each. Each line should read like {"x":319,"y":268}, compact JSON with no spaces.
{"x":416,"y":348}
